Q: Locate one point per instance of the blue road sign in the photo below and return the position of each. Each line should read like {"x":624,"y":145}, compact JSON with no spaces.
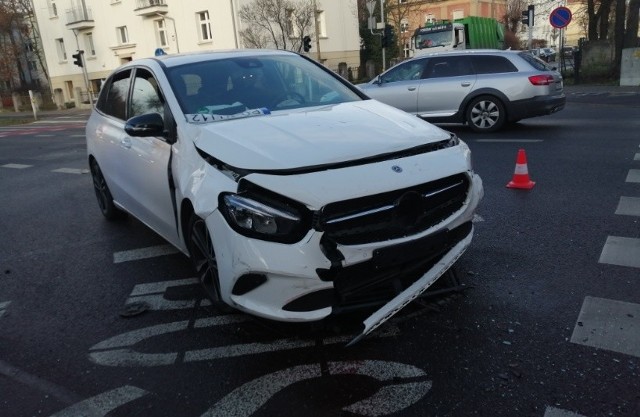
{"x":560,"y":17}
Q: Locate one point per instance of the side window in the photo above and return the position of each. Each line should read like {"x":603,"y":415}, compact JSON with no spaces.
{"x":113,"y":98}
{"x":489,"y":64}
{"x":453,"y":66}
{"x":145,"y":96}
{"x":406,"y":71}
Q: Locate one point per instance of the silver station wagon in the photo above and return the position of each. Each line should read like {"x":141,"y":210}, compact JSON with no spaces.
{"x":482,"y":88}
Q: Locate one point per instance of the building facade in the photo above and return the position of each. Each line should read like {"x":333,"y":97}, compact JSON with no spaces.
{"x":112,"y":32}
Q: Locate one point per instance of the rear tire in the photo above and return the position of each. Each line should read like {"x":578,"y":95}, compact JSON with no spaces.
{"x":486,"y":114}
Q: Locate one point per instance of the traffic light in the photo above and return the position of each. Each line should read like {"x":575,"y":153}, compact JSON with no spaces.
{"x":306,"y":42}
{"x":388,"y":37}
{"x":77,"y":58}
{"x":528,"y":15}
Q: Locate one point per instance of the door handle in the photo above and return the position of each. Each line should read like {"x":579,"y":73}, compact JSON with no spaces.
{"x":466,"y":84}
{"x":126,"y":143}
{"x":412,"y":88}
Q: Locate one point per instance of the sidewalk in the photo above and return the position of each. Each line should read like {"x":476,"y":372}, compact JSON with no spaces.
{"x":44,"y":114}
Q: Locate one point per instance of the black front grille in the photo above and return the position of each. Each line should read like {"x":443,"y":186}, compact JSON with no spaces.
{"x":394,"y":214}
{"x":391,"y":270}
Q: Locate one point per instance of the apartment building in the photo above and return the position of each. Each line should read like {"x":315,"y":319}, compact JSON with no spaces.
{"x":112,"y":32}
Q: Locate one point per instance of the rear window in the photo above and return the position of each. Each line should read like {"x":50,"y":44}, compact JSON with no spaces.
{"x":534,"y":62}
{"x":491,"y":64}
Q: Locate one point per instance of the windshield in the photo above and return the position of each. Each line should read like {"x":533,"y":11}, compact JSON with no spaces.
{"x":433,"y":39}
{"x":252,"y":86}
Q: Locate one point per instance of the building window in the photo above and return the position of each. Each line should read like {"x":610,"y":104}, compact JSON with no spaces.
{"x":33,"y":65}
{"x":204,"y":25}
{"x":458,"y":14}
{"x":123,"y":35}
{"x":407,"y":50}
{"x":88,"y":44}
{"x":161,"y":33}
{"x":290,"y":23}
{"x":404,"y":26}
{"x":62,"y":52}
{"x":53,"y":9}
{"x":430,"y":18}
{"x":322,"y":24}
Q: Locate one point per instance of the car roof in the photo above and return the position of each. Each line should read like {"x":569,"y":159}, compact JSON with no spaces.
{"x":471,"y":52}
{"x":175,"y":60}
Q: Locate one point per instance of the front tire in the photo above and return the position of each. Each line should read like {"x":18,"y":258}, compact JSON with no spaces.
{"x":203,"y":258}
{"x":486,"y":114}
{"x":105,"y":200}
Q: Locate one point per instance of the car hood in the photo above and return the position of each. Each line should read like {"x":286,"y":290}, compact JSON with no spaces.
{"x":313,"y":136}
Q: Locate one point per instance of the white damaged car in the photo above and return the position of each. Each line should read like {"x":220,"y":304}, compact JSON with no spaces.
{"x":294,"y":194}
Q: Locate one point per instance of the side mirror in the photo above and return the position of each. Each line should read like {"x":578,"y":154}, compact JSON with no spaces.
{"x":377,"y":80}
{"x":150,"y":124}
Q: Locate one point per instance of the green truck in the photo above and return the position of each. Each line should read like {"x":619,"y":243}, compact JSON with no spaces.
{"x":466,"y":33}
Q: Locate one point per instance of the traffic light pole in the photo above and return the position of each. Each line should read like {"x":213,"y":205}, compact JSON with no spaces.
{"x":84,"y":69}
{"x":384,"y":50}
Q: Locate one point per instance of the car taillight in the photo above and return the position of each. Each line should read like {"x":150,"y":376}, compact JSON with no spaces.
{"x":541,"y":79}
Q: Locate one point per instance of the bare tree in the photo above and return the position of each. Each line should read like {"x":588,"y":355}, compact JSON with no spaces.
{"x":279,"y":24}
{"x":20,"y":40}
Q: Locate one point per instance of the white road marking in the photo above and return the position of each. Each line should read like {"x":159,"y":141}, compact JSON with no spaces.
{"x":556,"y":412}
{"x":143,"y":253}
{"x":3,"y":307}
{"x":609,"y":324}
{"x":509,"y":140}
{"x":118,"y":350}
{"x":622,"y":251}
{"x":629,"y":206}
{"x":16,"y":166}
{"x":71,"y":171}
{"x":477,"y":218}
{"x":394,"y":396}
{"x":104,"y":403}
{"x":633,"y":175}
{"x":77,"y":136}
{"x":153,"y":295}
{"x":637,"y":157}
{"x":44,"y":136}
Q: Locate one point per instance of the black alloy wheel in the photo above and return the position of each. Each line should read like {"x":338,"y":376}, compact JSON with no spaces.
{"x":105,"y":200}
{"x":203,"y":258}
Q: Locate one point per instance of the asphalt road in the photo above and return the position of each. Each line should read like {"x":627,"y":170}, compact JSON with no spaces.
{"x":549,"y":323}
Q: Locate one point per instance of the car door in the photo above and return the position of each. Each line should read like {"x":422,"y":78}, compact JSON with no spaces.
{"x":398,"y":87}
{"x":146,"y":161}
{"x":447,"y":81}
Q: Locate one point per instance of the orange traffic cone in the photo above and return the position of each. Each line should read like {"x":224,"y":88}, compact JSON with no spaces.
{"x":521,"y":174}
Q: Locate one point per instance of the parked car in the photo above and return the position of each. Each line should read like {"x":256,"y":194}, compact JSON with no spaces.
{"x":482,"y":88}
{"x":295,"y":196}
{"x":547,"y":54}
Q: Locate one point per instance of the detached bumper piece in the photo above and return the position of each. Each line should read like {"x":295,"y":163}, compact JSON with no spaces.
{"x":390,"y":271}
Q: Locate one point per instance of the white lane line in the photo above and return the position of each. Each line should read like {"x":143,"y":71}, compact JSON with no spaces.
{"x":609,"y":324}
{"x":143,"y":253}
{"x":622,"y":251}
{"x":71,"y":171}
{"x":556,"y":412}
{"x":633,"y":175}
{"x":637,"y":157}
{"x":16,"y":166}
{"x":104,"y":403}
{"x":629,"y":206}
{"x":510,"y":140}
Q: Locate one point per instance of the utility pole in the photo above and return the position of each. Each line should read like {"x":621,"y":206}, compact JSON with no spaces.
{"x":317,"y":27}
{"x":382,"y":23}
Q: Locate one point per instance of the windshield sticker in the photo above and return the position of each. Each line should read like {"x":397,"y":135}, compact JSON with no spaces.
{"x":212,"y":117}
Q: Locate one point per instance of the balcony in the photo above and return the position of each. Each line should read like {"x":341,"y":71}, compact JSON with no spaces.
{"x":79,"y":18}
{"x":150,"y":7}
